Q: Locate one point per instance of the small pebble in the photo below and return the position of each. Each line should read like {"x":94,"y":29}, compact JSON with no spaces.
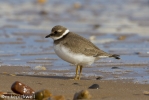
{"x":84,"y":94}
{"x":43,"y":94}
{"x":94,"y":86}
{"x":39,"y":83}
{"x":99,"y":78}
{"x":75,"y":83}
{"x":121,"y":38}
{"x":40,"y":68}
{"x":20,"y":88}
{"x":115,"y":68}
{"x":43,"y":12}
{"x":146,"y":92}
{"x":96,"y":26}
{"x":137,"y":53}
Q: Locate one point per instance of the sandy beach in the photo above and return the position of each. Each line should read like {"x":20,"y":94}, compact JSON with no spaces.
{"x":109,"y":90}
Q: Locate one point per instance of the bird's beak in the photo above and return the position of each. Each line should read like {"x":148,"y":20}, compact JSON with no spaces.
{"x":48,"y":36}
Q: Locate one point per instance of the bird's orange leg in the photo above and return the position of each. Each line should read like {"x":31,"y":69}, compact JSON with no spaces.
{"x":76,"y":76}
{"x":80,"y":72}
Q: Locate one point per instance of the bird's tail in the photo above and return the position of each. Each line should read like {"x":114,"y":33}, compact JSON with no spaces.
{"x":115,"y":56}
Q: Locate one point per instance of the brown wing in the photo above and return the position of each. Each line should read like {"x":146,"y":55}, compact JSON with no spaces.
{"x":81,"y":45}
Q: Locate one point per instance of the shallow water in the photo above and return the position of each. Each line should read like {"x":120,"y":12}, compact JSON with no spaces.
{"x":23,"y":28}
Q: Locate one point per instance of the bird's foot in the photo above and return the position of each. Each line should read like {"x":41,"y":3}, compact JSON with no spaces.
{"x":76,"y":78}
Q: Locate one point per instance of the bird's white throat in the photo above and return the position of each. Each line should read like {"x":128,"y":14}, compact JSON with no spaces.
{"x":56,"y":38}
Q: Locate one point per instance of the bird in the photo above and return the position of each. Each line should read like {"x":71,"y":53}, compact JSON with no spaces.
{"x":76,"y":49}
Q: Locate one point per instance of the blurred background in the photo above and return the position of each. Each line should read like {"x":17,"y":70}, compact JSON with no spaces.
{"x":106,"y":16}
{"x":115,"y":26}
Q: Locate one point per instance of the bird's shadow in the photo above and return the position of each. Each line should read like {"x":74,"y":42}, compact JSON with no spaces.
{"x":43,"y":76}
{"x":53,"y":77}
{"x":46,"y":76}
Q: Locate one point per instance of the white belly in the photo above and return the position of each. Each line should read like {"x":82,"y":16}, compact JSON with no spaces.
{"x":77,"y":59}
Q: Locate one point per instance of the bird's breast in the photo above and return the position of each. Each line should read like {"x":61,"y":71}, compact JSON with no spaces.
{"x":66,"y":54}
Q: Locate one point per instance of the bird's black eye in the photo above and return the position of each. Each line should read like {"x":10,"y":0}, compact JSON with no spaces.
{"x":55,"y":32}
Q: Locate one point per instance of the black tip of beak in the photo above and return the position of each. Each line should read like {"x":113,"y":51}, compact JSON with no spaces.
{"x":47,"y":36}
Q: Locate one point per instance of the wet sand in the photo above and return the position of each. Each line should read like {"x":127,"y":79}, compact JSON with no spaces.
{"x":59,"y":85}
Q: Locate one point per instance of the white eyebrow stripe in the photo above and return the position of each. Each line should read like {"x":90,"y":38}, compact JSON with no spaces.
{"x":56,"y":38}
